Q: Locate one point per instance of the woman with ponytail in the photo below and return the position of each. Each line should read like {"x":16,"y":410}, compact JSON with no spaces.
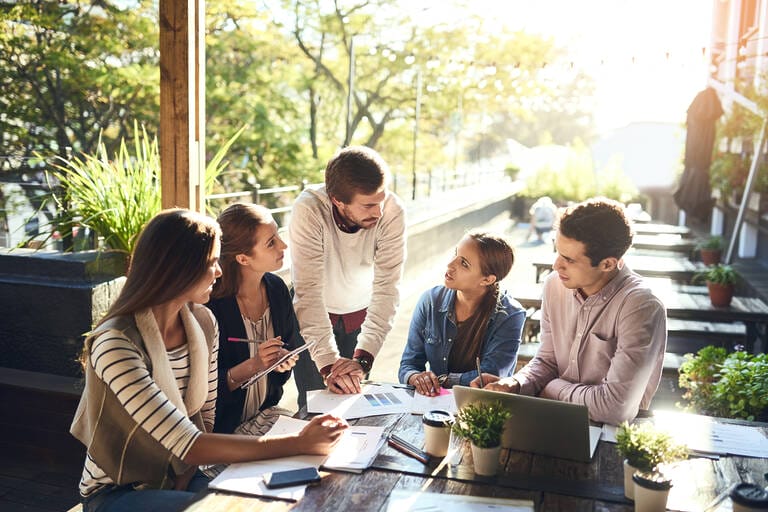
{"x":467,"y":318}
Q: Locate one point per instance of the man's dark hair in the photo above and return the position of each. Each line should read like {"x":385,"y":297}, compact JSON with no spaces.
{"x":601,"y":225}
{"x":355,"y":170}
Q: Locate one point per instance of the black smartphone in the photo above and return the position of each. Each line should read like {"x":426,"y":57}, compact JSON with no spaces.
{"x":291,"y":477}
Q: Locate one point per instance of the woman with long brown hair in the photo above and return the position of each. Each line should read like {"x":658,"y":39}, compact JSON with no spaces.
{"x":250,"y":302}
{"x":149,"y":401}
{"x":466,"y":318}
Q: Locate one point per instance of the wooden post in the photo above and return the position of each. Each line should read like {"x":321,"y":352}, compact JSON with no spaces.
{"x":182,"y":103}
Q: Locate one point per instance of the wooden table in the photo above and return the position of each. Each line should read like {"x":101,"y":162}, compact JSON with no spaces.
{"x":678,"y":269}
{"x":671,"y":243}
{"x":550,"y":483}
{"x":661,"y":229}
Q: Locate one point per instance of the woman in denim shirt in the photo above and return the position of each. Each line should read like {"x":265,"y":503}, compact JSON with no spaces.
{"x":466,"y":318}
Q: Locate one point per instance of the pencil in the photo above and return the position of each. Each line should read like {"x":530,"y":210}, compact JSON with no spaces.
{"x":479,"y":373}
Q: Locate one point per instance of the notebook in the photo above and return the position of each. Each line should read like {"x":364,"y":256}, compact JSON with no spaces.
{"x":538,"y":425}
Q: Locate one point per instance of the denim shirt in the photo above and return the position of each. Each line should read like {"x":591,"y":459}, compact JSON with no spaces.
{"x":433,"y":331}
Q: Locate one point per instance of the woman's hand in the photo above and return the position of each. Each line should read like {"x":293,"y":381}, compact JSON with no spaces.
{"x":289,"y":363}
{"x":426,"y":383}
{"x":269,"y":352}
{"x":321,"y":434}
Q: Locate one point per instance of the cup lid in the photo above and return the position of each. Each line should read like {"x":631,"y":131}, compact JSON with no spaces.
{"x":655,"y":481}
{"x":437,"y":418}
{"x":750,"y":495}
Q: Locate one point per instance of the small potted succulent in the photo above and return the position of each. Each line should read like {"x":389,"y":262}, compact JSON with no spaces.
{"x":645,"y":448}
{"x":482,"y":423}
{"x":711,"y":249}
{"x":721,"y":283}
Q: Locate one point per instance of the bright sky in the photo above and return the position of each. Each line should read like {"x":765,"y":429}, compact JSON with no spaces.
{"x":605,"y":35}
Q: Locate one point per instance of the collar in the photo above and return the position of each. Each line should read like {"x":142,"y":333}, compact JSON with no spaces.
{"x":340,"y":222}
{"x":162,"y":374}
{"x":607,"y":292}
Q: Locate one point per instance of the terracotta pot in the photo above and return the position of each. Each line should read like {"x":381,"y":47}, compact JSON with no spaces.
{"x":720,"y":294}
{"x":486,"y":460}
{"x":710,"y":256}
{"x":629,"y":485}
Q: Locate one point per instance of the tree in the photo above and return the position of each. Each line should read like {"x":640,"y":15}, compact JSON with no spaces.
{"x":69,"y":70}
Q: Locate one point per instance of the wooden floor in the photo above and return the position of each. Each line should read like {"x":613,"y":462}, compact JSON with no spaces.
{"x":31,"y":486}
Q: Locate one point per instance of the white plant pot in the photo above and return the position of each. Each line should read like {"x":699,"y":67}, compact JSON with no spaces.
{"x":486,"y":460}
{"x":629,"y":485}
{"x":650,"y":496}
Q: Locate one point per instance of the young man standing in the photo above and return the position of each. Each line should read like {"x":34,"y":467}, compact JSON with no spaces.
{"x":347,"y":253}
{"x":603,"y":332}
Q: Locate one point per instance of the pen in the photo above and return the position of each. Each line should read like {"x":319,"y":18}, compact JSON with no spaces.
{"x":479,"y":373}
{"x":245,"y":340}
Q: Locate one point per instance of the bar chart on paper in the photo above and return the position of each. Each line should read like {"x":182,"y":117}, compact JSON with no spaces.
{"x":372,"y":401}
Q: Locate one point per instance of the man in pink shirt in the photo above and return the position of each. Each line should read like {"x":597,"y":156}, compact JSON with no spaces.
{"x":603,"y":332}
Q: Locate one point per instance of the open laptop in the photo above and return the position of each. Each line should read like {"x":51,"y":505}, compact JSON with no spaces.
{"x":538,"y":425}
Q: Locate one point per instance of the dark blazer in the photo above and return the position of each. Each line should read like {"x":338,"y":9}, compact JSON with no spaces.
{"x":229,"y":404}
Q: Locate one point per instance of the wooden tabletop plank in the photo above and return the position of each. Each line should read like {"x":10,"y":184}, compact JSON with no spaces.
{"x":652,"y":228}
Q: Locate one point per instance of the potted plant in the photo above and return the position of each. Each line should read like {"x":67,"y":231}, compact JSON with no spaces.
{"x":645,"y":448}
{"x":721,"y":283}
{"x":711,"y":249}
{"x":728,"y":385}
{"x":482,"y":423}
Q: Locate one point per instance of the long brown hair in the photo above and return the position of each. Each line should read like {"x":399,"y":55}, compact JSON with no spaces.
{"x":172,"y":253}
{"x":496,"y":258}
{"x":239,"y":223}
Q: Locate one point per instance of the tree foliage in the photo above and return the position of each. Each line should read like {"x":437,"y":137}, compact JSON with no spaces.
{"x":70,"y":70}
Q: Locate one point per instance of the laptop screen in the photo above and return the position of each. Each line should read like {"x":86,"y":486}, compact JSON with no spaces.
{"x":539,"y":425}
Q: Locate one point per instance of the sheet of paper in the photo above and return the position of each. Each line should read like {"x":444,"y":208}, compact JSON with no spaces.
{"x":412,"y":501}
{"x":248,"y":477}
{"x":355,"y":452}
{"x":706,"y":435}
{"x":444,"y":401}
{"x":372,"y":401}
{"x":286,"y":356}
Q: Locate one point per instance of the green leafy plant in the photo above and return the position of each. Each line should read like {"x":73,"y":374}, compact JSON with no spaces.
{"x":719,"y":273}
{"x":482,"y":423}
{"x":714,"y":243}
{"x":696,"y":375}
{"x":646,"y":447}
{"x":115,"y":195}
{"x":731,"y":385}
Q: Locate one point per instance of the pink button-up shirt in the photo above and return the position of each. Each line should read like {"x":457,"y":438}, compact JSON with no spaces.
{"x":605,"y":351}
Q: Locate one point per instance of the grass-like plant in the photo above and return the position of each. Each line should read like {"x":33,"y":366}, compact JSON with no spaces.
{"x":114,"y":196}
{"x":646,"y":447}
{"x":482,"y":423}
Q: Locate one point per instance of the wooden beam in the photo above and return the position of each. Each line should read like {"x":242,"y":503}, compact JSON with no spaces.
{"x":182,"y":103}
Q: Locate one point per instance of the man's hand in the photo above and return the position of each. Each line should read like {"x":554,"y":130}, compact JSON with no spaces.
{"x":345,"y":377}
{"x":426,"y":383}
{"x":494,"y":383}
